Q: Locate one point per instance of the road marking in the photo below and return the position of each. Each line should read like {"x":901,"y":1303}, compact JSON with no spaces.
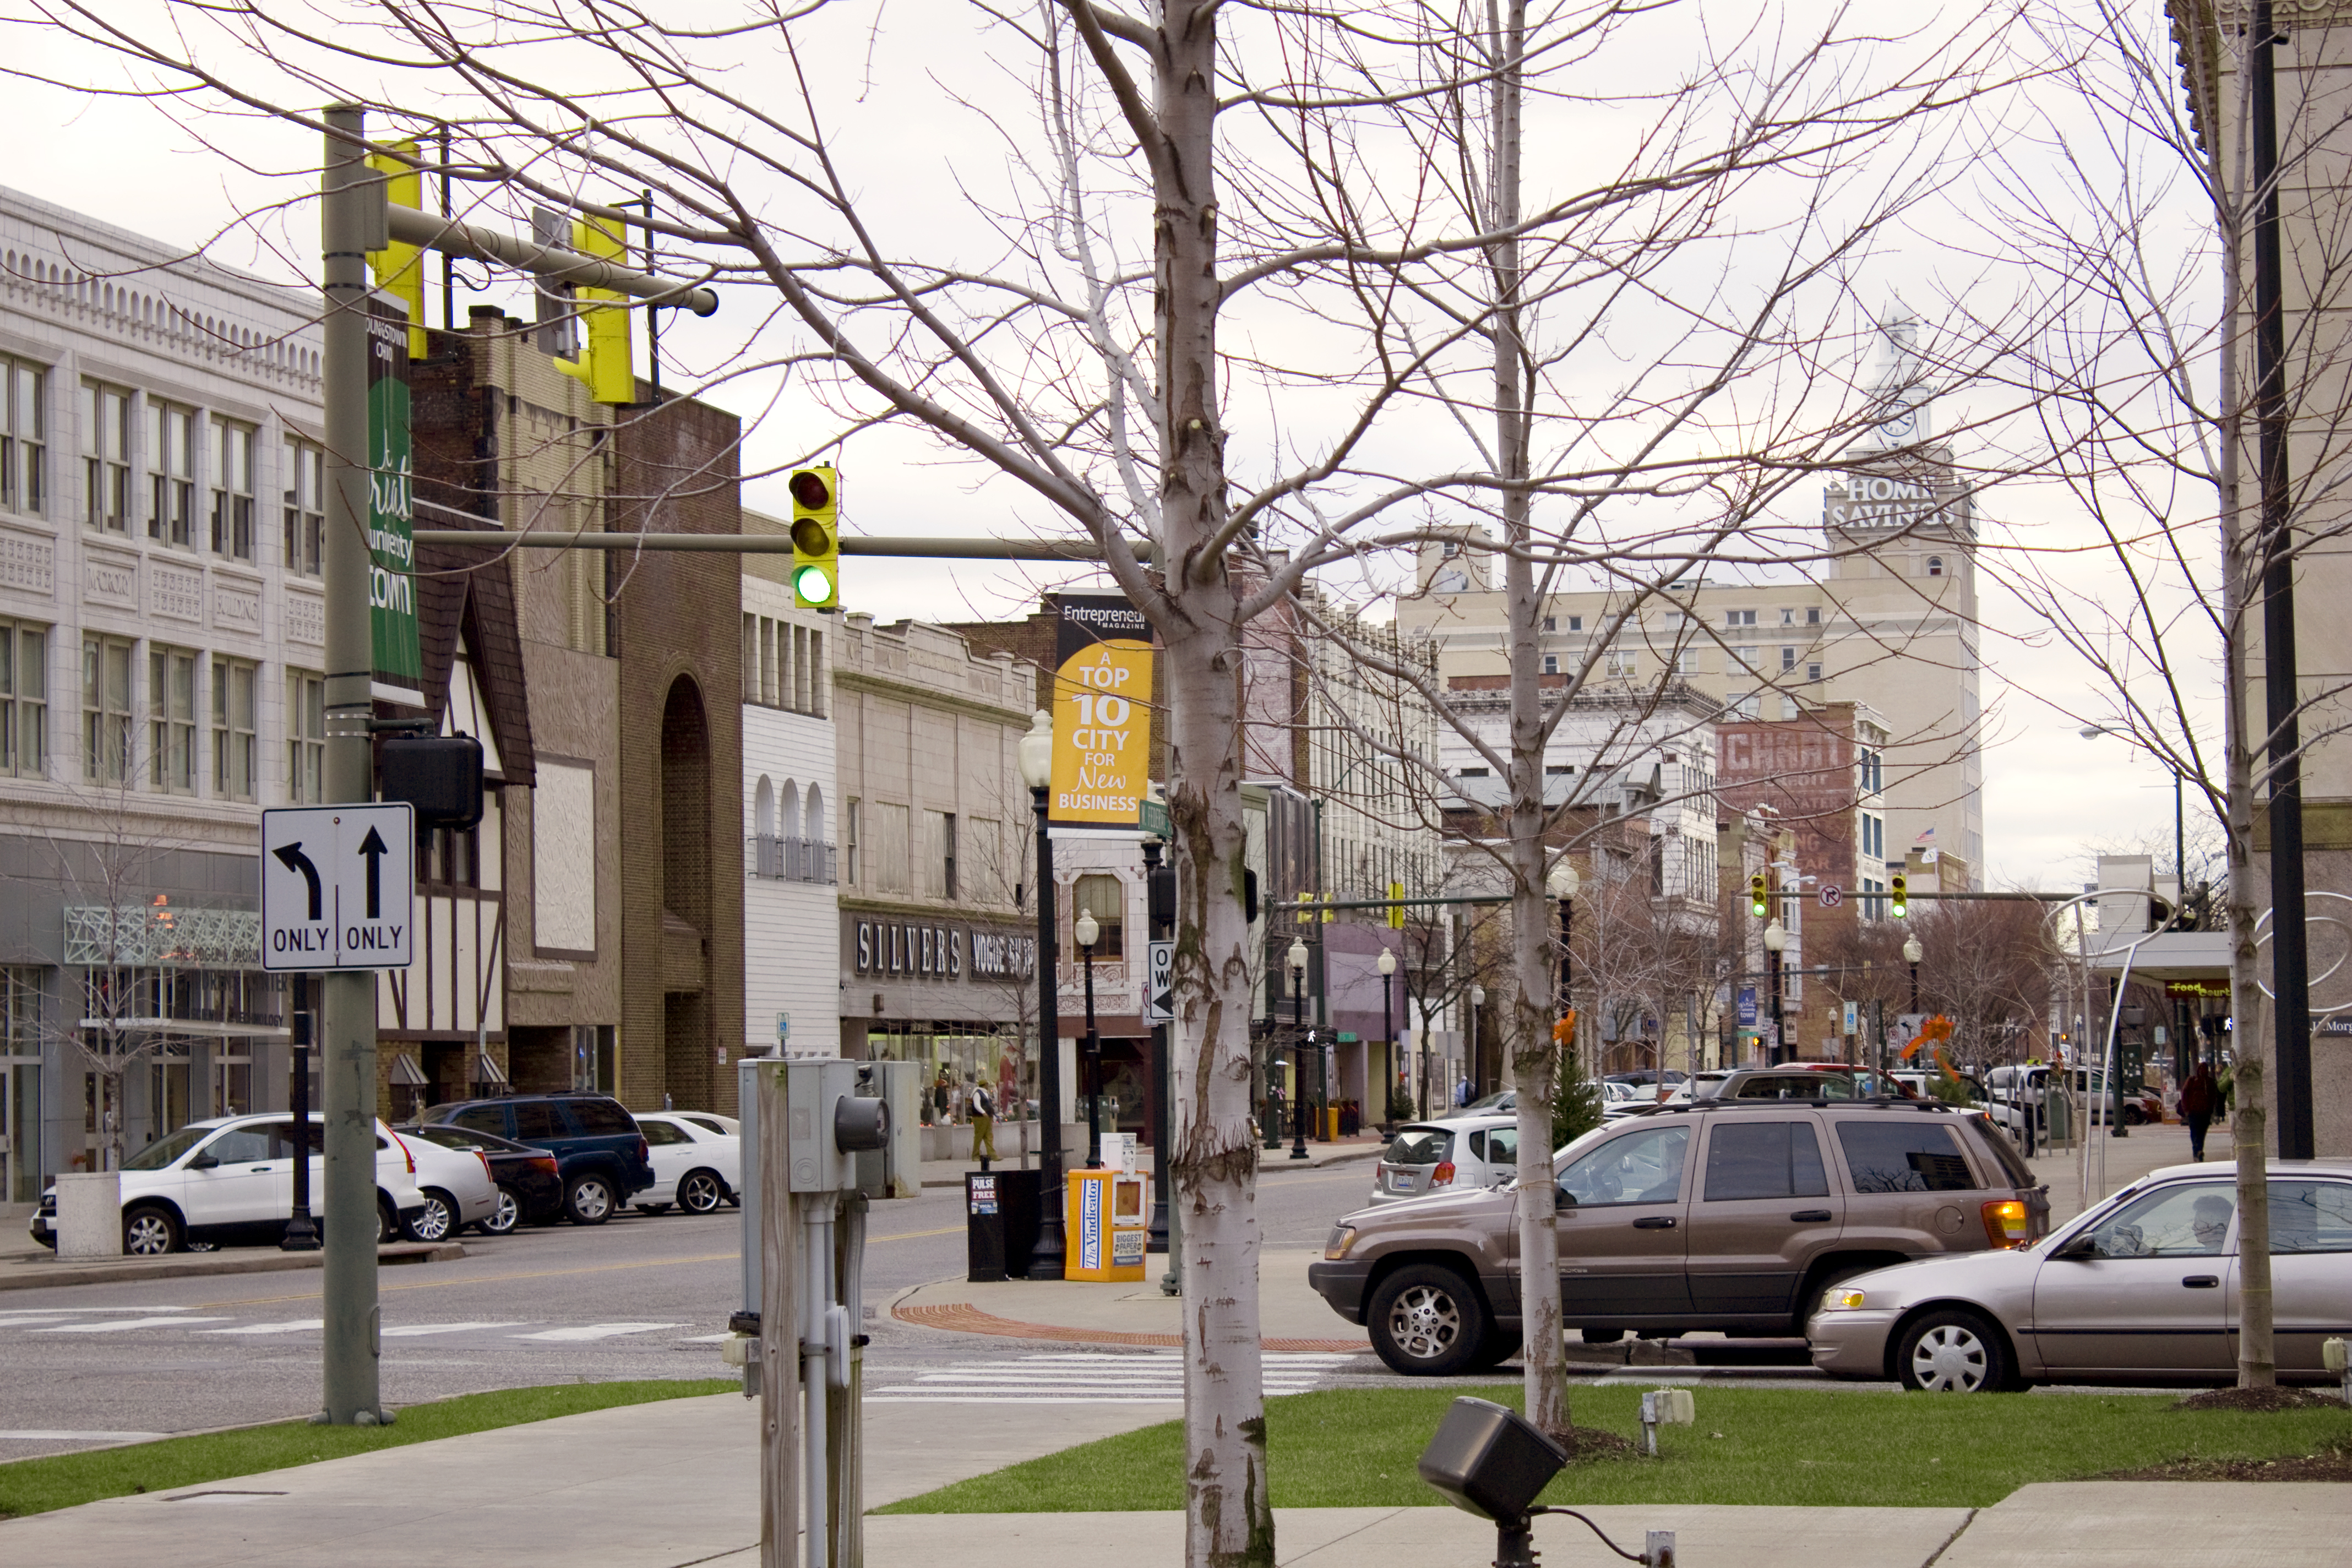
{"x":299,"y":1325}
{"x":917,"y":1235}
{"x":59,"y":1311}
{"x":41,"y":1436}
{"x":1152,"y":1378}
{"x":118,"y":1325}
{"x":706,"y":1339}
{"x":583,"y":1332}
{"x":484,"y":1280}
{"x":417,"y":1330}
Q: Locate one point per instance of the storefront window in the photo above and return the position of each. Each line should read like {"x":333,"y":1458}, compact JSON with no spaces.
{"x":953,"y":1063}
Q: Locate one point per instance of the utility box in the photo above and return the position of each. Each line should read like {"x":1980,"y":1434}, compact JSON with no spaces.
{"x":828,"y":1124}
{"x":896,"y":1170}
{"x":1106,"y":1225}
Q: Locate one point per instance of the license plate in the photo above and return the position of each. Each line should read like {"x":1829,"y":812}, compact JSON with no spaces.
{"x":1399,"y":1180}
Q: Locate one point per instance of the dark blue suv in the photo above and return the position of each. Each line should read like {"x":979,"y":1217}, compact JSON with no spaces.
{"x":599,"y":1153}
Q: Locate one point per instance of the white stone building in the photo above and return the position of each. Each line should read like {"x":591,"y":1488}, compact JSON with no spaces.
{"x":791,"y":816}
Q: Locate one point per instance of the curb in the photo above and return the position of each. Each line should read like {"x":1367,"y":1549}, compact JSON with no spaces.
{"x":1369,"y":1151}
{"x":41,"y":1276}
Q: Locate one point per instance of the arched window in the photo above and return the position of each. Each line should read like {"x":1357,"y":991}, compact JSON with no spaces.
{"x":1935,"y":566}
{"x":814,"y":817}
{"x":764,"y":809}
{"x":788,"y":810}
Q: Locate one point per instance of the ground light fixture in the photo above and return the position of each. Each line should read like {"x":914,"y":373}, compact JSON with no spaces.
{"x":1486,"y":1459}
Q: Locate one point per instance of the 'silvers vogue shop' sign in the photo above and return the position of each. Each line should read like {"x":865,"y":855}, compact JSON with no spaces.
{"x":927,"y":950}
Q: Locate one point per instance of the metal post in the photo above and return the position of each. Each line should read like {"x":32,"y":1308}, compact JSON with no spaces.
{"x":1046,"y":1261}
{"x":1160,"y":1237}
{"x":348,"y":1011}
{"x":2290,"y":957}
{"x":1094,"y":1068}
{"x":1388,"y":1037}
{"x":1297,"y":1063}
{"x":1780,"y":1043}
{"x":301,"y":1234}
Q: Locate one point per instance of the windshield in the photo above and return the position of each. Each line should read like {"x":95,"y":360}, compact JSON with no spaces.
{"x":163,"y":1151}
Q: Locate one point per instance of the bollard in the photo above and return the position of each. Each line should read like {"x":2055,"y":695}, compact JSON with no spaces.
{"x":2333,"y":1355}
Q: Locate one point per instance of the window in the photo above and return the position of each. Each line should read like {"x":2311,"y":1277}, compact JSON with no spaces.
{"x":1788,"y":658}
{"x":1449,"y":550}
{"x":2311,"y":1216}
{"x":1686,"y":661}
{"x":1644,"y":1167}
{"x":235,"y":747}
{"x":1105,"y":898}
{"x":106,"y":710}
{"x":1788,"y":617}
{"x":23,"y":699}
{"x":1551,"y":663}
{"x":233,"y":492}
{"x":659,"y":1133}
{"x":2191,"y":1220}
{"x":1552,"y":623}
{"x":171,"y":718}
{"x":306,"y":738}
{"x":940,"y":854}
{"x":306,"y":509}
{"x":1812,"y":672}
{"x":1874,"y":772}
{"x":889,"y":847}
{"x":1471,"y":773}
{"x":539,"y":1119}
{"x":1812,"y":615}
{"x":1621,"y":664}
{"x":172,"y":473}
{"x":1738,"y":617}
{"x":23,"y":436}
{"x":1748,"y":657}
{"x":1576,"y":623}
{"x":1764,"y":1159}
{"x":106,"y":456}
{"x":1902,"y":1157}
{"x":849,"y":835}
{"x":1935,"y":566}
{"x":1744,"y":705}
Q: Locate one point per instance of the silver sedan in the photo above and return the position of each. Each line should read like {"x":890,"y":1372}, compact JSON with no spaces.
{"x":2141,"y":1289}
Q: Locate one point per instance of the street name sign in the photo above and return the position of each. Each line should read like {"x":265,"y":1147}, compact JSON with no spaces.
{"x":338,"y":887}
{"x":1160,"y":987}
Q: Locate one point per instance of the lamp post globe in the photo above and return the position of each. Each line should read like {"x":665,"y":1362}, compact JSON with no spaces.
{"x":1296,"y":960}
{"x":1387,"y":963}
{"x":1035,"y":751}
{"x":1912,"y":953}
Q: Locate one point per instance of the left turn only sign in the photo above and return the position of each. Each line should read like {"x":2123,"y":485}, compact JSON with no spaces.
{"x":338,"y":887}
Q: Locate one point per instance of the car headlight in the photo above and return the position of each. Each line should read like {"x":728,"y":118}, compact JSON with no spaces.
{"x":1842,"y":1299}
{"x":1343,"y":1236}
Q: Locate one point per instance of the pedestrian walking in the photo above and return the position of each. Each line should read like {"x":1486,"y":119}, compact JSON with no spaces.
{"x":983,"y":1125}
{"x":1462,"y":1091}
{"x":2197,"y":1099}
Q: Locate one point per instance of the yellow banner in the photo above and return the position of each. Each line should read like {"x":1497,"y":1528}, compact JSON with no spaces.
{"x":1102,"y":717}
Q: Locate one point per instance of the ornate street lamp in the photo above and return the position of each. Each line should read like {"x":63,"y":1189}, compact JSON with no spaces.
{"x":1912,"y":953}
{"x":1296,"y":958}
{"x":1088,"y":933}
{"x":1387,"y":967}
{"x":1036,"y":755}
{"x":1776,"y":939}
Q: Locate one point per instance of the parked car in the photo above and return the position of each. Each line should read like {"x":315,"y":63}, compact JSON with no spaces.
{"x":599,"y":1152}
{"x":2142,"y":1288}
{"x":1811,"y":1080}
{"x":696,"y":1167}
{"x":1724,"y":1215}
{"x":1501,"y":1100}
{"x":529,"y":1185}
{"x":230,"y":1180}
{"x":1463,"y":1154}
{"x":1698,"y":1086}
{"x":457,"y":1187}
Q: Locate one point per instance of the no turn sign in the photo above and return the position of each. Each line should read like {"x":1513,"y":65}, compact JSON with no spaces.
{"x":338,"y":887}
{"x":1831,"y":895}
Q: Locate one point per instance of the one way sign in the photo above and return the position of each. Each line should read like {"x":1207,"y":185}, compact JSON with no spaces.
{"x":338,"y":887}
{"x":1159,"y":987}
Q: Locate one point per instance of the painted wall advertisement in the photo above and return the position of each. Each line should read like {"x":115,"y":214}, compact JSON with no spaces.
{"x":391,"y":510}
{"x":1102,"y":711}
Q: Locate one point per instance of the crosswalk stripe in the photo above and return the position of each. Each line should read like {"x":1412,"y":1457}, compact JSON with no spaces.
{"x":1081,"y":1378}
{"x":418,"y":1330}
{"x":705,"y":1339}
{"x":119,"y":1324}
{"x":584,"y":1332}
{"x":45,"y":1436}
{"x":298,"y":1326}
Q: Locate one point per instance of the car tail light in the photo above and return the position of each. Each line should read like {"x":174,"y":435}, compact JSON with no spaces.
{"x":545,"y":1163}
{"x":2006,"y":1223}
{"x":405,"y":1152}
{"x":485,"y":1159}
{"x":645,"y":1153}
{"x":1443,"y":1175}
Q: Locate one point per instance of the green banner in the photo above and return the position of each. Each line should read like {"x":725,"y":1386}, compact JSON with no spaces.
{"x":391,"y":508}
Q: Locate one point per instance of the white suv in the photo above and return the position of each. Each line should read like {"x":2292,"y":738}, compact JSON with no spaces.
{"x":231,"y":1179}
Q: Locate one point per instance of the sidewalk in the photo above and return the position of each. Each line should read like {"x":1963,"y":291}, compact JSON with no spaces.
{"x":2128,"y":1158}
{"x":1270,"y":1162}
{"x":1291,"y":1316}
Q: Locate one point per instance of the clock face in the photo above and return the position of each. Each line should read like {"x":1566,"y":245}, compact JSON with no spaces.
{"x":1902,"y":422}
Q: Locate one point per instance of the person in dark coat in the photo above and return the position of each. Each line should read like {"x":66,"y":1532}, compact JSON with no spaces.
{"x":2199,"y":1096}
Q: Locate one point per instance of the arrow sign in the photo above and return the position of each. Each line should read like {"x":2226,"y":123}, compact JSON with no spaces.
{"x":372,"y":849}
{"x":291,"y":856}
{"x":1159,"y":983}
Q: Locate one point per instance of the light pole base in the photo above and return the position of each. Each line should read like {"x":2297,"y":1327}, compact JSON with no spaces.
{"x":301,"y":1234}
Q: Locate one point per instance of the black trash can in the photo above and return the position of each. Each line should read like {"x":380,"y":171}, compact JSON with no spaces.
{"x":1000,"y":1211}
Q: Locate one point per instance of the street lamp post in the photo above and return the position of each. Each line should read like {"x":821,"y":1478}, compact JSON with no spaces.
{"x":1163,"y":1086}
{"x":1088,"y":933}
{"x":1912,"y":953}
{"x":1297,"y":960}
{"x":1776,"y":938}
{"x":1046,"y":1259}
{"x":1564,"y":884}
{"x":1387,"y":967}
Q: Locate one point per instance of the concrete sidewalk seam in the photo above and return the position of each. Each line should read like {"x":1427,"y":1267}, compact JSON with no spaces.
{"x":1956,"y":1534}
{"x":959,"y":1317}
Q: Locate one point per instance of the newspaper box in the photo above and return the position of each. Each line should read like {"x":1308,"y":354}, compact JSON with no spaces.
{"x":1108,"y":1223}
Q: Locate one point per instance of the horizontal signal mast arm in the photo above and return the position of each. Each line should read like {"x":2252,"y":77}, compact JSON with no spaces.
{"x":774,"y":544}
{"x":430,"y":232}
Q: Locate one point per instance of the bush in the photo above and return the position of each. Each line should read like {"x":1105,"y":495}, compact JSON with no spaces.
{"x":1575,"y":1100}
{"x":1401,"y":1106}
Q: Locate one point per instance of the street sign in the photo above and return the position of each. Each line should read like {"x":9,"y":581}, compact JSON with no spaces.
{"x":1747,"y":1006}
{"x":1151,"y":816}
{"x":338,"y":887}
{"x":1831,"y":895}
{"x":1159,"y":987}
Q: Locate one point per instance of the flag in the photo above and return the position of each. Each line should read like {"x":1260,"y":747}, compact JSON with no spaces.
{"x":1928,"y":836}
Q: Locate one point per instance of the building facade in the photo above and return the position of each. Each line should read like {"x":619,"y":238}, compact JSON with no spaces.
{"x":791,"y":914}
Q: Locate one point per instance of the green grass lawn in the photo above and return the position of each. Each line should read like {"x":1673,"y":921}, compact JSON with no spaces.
{"x":62,"y":1480}
{"x":1358,"y":1449}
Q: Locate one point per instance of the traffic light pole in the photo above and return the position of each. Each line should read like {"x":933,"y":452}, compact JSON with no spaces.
{"x":351,"y":198}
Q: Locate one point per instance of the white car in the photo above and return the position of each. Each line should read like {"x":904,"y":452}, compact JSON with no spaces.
{"x":231,"y":1179}
{"x":458,"y":1190}
{"x":697,"y":1160}
{"x":1459,"y":1155}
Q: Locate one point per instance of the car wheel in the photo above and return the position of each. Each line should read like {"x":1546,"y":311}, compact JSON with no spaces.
{"x":387,"y":1221}
{"x":150,"y":1232}
{"x":701,"y":1192}
{"x":1499,"y":1346}
{"x":437,"y":1220}
{"x":1954,"y":1352}
{"x":504,"y":1218}
{"x":1426,"y":1321}
{"x":589,"y":1200}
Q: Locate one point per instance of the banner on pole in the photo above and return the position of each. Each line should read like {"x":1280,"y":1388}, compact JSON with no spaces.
{"x":1102,"y":711}
{"x":391,"y":508}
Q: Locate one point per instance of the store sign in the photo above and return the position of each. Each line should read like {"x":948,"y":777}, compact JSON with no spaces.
{"x":1102,"y":711}
{"x":926,"y":951}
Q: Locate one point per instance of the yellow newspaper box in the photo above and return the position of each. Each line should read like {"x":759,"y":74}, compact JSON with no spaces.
{"x":1107,"y":1221}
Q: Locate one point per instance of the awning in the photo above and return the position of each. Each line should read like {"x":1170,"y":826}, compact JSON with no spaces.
{"x":405,"y":1073}
{"x":486,"y":1071}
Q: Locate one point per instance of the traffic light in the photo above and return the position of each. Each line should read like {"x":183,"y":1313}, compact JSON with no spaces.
{"x":603,"y":363}
{"x":1760,"y":897}
{"x":1901,"y":907}
{"x":399,"y":269}
{"x":816,"y":538}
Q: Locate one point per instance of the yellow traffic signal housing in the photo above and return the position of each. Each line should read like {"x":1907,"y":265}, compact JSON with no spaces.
{"x":399,"y":269}
{"x":816,"y":538}
{"x":1759,"y":896}
{"x":1901,"y":905}
{"x":603,"y":363}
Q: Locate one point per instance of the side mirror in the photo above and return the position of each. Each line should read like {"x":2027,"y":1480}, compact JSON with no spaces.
{"x":1561,"y":1198}
{"x":202,"y":1163}
{"x":2078,"y":1247}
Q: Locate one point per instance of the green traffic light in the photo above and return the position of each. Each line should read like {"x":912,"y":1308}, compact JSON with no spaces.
{"x":812,"y":585}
